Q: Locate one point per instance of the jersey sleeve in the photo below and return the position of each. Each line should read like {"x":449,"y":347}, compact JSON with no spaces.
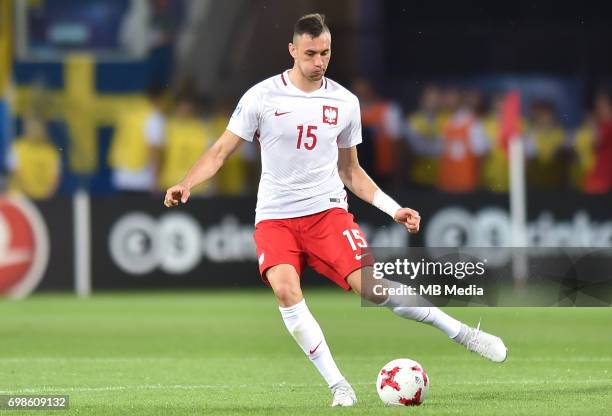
{"x":351,"y":135}
{"x":245,"y":119}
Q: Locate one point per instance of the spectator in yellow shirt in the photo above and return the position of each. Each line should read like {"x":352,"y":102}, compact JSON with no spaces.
{"x":545,"y":143}
{"x":423,"y":132}
{"x":34,"y":162}
{"x":188,"y":136}
{"x":583,"y":145}
{"x":139,"y":138}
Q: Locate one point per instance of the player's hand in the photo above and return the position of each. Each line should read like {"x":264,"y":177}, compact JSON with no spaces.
{"x":409,"y":218}
{"x":175,"y":195}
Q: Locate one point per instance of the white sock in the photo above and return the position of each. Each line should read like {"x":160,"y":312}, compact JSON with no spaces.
{"x":430,"y":315}
{"x":309,"y":336}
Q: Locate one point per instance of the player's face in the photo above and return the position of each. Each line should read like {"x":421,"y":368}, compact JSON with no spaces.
{"x":311,"y":54}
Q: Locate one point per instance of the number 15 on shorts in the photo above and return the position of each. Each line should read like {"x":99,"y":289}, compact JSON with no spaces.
{"x":354,"y":238}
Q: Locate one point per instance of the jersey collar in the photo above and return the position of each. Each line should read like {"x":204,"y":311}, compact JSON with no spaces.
{"x":287,"y":83}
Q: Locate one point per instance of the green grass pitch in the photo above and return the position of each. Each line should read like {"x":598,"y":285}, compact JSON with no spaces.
{"x":228,"y":352}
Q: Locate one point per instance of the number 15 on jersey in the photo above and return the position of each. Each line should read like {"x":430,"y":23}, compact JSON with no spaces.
{"x":309,"y":135}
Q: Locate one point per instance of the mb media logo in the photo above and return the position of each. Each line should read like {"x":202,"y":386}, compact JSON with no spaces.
{"x":24,"y":247}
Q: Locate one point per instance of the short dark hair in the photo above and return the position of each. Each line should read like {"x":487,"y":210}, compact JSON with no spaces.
{"x":312,"y":24}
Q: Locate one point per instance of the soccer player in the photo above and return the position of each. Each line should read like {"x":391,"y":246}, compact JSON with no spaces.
{"x":308,"y":127}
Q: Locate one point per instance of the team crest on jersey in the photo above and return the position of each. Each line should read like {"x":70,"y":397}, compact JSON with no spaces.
{"x":330,"y":115}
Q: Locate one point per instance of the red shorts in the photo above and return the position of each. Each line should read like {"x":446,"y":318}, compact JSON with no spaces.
{"x":330,"y":242}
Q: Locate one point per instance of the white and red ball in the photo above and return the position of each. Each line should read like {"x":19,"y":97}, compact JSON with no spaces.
{"x":402,"y":382}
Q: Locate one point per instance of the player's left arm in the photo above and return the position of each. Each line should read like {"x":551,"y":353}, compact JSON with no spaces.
{"x":358,"y":182}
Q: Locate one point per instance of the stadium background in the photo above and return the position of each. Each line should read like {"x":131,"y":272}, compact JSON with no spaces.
{"x":74,"y":73}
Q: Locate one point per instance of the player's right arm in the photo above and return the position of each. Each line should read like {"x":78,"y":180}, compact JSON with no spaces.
{"x":205,"y":168}
{"x":242,"y":127}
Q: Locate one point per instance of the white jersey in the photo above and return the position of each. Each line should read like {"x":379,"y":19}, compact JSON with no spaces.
{"x":299,"y":134}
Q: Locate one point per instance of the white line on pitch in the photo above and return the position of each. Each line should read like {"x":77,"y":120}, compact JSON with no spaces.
{"x":255,"y":358}
{"x":43,"y":390}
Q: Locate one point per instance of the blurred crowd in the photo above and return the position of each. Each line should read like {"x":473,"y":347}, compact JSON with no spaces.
{"x":154,"y":141}
{"x":451,"y":142}
{"x":153,"y":146}
{"x":452,"y":139}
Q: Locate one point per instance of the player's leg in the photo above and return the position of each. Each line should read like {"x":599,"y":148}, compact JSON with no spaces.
{"x":339,"y":250}
{"x":285,"y":284}
{"x":280,"y":265}
{"x":300,"y":323}
{"x":487,"y":345}
{"x":430,"y":315}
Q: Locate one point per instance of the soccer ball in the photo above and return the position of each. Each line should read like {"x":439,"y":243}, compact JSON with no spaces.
{"x":402,"y":382}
